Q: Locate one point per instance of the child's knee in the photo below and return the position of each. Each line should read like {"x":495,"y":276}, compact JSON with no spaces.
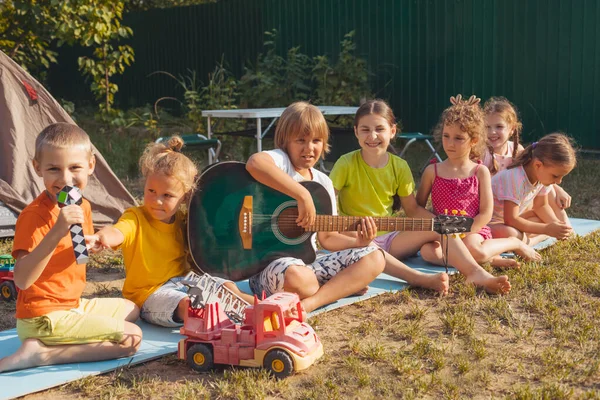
{"x":476,"y":252}
{"x":132,"y":338}
{"x":376,"y":261}
{"x":132,"y":312}
{"x":505,"y":231}
{"x":431,"y":252}
{"x":298,"y":277}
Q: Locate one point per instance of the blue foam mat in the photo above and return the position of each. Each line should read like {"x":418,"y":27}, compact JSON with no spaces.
{"x":158,"y":342}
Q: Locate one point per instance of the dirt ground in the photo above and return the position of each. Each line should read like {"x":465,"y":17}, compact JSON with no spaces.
{"x":411,"y":344}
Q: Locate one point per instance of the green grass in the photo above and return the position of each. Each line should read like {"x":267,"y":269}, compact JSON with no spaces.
{"x":542,"y":341}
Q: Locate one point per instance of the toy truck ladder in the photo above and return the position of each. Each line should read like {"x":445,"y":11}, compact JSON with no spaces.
{"x":204,"y":289}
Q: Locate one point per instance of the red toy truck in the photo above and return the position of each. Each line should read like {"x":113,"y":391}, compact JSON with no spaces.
{"x":268,"y":337}
{"x":8,"y":289}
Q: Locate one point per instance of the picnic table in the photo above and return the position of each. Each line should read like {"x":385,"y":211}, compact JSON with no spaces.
{"x":259,"y":114}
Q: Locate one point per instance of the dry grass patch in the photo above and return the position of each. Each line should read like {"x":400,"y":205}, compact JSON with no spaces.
{"x":542,"y":341}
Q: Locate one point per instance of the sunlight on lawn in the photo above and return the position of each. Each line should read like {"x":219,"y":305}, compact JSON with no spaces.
{"x":540,"y":341}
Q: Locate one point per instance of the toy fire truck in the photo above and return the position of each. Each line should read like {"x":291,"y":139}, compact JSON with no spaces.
{"x":221,"y":328}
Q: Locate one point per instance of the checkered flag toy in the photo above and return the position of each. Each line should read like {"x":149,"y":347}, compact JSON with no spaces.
{"x":67,"y":196}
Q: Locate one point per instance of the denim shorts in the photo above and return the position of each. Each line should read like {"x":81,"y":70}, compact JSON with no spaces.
{"x":160,"y":307}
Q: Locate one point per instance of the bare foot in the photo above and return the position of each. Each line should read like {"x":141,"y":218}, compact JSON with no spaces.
{"x":528,"y":253}
{"x":505,"y":263}
{"x":439,"y":282}
{"x":491,"y":284}
{"x":29,"y":355}
{"x":532,"y":240}
{"x":291,"y":313}
{"x":308,"y":305}
{"x":362,"y":291}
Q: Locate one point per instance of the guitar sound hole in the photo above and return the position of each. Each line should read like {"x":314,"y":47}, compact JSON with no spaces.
{"x":286,"y":222}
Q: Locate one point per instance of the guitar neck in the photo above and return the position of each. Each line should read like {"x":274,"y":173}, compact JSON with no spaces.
{"x":342,"y":223}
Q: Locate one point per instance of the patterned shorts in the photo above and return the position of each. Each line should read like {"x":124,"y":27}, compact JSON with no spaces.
{"x":325,"y":267}
{"x":160,"y":307}
{"x":486,"y":232}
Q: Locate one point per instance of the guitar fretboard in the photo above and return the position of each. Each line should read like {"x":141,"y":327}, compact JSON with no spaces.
{"x":342,"y":223}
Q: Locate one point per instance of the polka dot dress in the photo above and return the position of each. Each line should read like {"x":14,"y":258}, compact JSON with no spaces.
{"x":458,"y":194}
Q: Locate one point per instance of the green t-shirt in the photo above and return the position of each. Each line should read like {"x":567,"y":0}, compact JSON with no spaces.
{"x":368,"y":191}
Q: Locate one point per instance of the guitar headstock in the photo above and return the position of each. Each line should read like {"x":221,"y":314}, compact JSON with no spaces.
{"x":449,"y":224}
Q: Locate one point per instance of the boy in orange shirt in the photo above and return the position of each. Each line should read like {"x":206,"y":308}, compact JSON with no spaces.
{"x":54,"y":324}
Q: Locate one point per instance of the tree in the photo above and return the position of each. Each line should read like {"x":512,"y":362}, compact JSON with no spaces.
{"x":150,"y":4}
{"x":26,"y":32}
{"x":28,"y":29}
{"x":347,"y":81}
{"x":97,"y":24}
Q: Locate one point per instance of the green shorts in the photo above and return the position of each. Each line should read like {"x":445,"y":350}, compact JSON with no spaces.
{"x":95,"y":320}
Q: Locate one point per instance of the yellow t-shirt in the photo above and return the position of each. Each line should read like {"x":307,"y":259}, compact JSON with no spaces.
{"x":153,"y":252}
{"x":367,"y":191}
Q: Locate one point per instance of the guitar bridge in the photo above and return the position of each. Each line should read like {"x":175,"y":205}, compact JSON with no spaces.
{"x":245,"y":223}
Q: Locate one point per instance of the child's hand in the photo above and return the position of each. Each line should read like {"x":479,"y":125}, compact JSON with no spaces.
{"x":563,"y":200}
{"x":367,"y":231}
{"x":94,"y":244}
{"x":559,"y":230}
{"x":307,"y":213}
{"x":69,"y":215}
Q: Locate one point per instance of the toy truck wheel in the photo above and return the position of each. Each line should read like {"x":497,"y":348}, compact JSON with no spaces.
{"x":279,"y":363}
{"x":200,"y":357}
{"x":8,"y":291}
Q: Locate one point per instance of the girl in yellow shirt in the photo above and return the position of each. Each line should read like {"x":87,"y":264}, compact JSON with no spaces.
{"x":151,"y":236}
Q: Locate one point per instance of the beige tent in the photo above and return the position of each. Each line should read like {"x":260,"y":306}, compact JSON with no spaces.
{"x":25,"y":109}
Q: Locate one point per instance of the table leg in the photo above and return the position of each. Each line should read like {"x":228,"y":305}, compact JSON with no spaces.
{"x":433,"y":150}
{"x":406,"y":147}
{"x":258,"y":135}
{"x":208,"y":134}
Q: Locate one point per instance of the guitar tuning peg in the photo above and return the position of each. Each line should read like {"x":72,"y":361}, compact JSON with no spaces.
{"x":455,"y":235}
{"x":454,"y":212}
{"x":462,"y":235}
{"x":463,"y":212}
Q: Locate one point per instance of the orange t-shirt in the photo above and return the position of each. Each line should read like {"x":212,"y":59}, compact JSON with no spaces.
{"x":60,"y":285}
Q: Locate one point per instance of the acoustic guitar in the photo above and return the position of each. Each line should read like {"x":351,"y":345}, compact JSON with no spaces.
{"x":237,"y":226}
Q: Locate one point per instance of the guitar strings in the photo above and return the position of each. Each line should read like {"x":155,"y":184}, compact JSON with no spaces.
{"x":290,"y":222}
{"x":338,"y":219}
{"x":341,"y":221}
{"x":350,"y":224}
{"x":341,"y":218}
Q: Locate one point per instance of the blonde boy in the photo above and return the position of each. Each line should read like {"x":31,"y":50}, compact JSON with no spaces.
{"x":54,"y":324}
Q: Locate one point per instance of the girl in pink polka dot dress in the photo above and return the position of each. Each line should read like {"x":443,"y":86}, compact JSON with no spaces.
{"x":459,"y":183}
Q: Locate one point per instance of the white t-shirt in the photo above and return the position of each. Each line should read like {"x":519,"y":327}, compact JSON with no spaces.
{"x":514,"y":186}
{"x":283,"y":162}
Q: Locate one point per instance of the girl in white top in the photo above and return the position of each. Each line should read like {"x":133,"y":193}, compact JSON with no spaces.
{"x":503,"y":133}
{"x":527,"y":182}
